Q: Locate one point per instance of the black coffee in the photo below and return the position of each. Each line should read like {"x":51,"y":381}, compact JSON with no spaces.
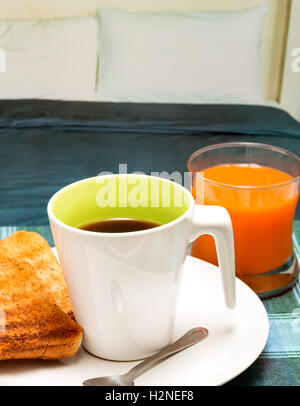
{"x":119,"y":225}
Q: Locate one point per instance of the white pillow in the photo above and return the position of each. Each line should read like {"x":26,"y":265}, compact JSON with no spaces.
{"x":189,"y":57}
{"x":53,"y":59}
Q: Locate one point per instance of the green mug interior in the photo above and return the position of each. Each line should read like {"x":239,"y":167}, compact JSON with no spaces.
{"x":120,"y":196}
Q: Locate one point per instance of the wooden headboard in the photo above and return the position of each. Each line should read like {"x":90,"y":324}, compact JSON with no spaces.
{"x":274,"y":36}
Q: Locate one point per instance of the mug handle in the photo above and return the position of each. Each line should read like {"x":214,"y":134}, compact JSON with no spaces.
{"x":215,"y":220}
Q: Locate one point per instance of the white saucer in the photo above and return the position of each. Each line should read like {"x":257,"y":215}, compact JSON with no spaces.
{"x":236,"y":338}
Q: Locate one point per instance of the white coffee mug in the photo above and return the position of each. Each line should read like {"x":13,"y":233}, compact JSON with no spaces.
{"x":124,"y":286}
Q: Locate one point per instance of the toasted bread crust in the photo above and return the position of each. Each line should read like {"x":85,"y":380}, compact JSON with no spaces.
{"x":31,"y":324}
{"x":32,"y":248}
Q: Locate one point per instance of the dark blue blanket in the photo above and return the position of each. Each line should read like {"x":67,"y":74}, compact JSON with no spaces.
{"x":45,"y":145}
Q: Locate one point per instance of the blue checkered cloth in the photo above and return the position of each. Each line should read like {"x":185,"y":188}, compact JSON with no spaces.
{"x":279,"y":362}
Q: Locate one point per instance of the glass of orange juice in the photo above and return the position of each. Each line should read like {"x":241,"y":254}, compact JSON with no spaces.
{"x":259,"y":186}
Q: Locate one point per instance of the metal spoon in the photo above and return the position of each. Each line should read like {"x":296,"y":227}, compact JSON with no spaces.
{"x":193,"y":336}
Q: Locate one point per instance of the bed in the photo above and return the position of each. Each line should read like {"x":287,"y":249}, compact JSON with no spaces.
{"x":47,"y":144}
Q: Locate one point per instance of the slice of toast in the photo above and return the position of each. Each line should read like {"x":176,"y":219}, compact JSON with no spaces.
{"x":34,"y":249}
{"x":31,"y":325}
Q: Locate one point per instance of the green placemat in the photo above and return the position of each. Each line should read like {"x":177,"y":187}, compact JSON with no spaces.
{"x":279,"y":363}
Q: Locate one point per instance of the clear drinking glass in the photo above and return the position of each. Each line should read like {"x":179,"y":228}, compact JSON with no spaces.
{"x":262,"y":216}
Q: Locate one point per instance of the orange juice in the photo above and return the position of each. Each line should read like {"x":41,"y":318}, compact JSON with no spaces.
{"x":261,"y":202}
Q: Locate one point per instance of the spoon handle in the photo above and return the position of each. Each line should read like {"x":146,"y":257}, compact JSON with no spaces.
{"x":193,"y":336}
